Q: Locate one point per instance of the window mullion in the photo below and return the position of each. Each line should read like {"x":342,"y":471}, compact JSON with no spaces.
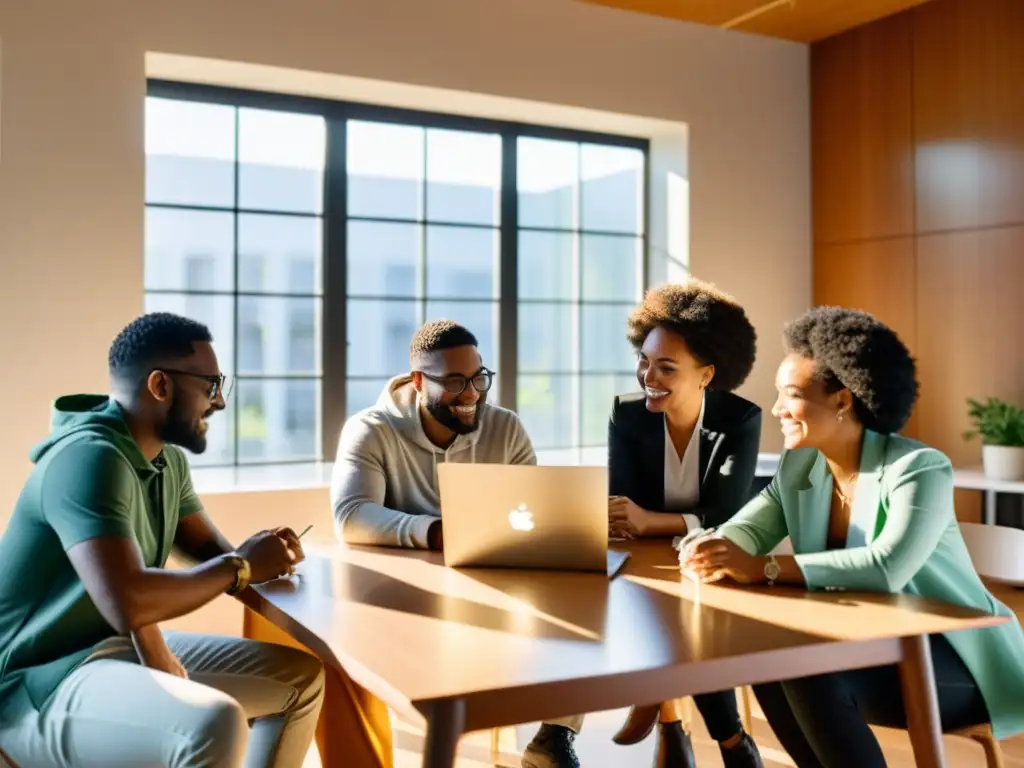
{"x":237,"y":414}
{"x":334,"y":387}
{"x":508,"y":289}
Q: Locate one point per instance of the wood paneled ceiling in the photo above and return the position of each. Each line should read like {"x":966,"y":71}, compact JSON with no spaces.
{"x":804,"y":21}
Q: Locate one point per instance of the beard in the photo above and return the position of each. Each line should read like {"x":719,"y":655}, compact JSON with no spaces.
{"x":182,"y":431}
{"x":444,"y":415}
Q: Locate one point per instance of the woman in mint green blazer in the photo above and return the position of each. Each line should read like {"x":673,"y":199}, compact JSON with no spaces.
{"x":865,"y":510}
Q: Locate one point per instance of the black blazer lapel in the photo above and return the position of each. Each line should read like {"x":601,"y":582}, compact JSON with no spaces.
{"x":709,"y":442}
{"x":636,"y":445}
{"x":654,"y":459}
{"x":729,"y":438}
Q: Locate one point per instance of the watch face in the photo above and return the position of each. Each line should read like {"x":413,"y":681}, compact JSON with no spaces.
{"x":772,"y":570}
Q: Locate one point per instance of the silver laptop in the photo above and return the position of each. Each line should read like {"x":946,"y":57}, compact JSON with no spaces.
{"x":550,"y":518}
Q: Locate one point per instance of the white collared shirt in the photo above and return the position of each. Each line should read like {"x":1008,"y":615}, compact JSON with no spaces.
{"x":682,"y":476}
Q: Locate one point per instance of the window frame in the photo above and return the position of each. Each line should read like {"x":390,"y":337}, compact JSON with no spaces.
{"x":334,"y":289}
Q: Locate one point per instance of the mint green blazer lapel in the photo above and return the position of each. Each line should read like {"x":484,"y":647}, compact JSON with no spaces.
{"x":814,"y":504}
{"x":814,"y":500}
{"x":867,"y":516}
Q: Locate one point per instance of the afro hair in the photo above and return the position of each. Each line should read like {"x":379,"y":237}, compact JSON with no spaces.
{"x":712,"y":323}
{"x":853,"y":349}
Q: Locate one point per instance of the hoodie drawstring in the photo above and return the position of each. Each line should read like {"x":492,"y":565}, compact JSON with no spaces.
{"x":433,"y":457}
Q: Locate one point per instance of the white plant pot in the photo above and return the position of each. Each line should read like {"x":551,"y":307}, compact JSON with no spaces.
{"x":1003,"y":462}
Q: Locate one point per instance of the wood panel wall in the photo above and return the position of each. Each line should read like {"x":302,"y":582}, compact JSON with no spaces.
{"x":918,"y":175}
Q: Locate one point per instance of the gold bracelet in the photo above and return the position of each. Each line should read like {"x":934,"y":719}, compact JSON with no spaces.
{"x":243,"y":573}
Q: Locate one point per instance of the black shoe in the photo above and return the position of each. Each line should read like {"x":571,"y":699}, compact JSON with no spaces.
{"x":743,"y":755}
{"x":551,"y":748}
{"x":675,"y":750}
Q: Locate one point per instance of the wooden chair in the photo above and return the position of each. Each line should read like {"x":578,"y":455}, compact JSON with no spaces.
{"x":982,"y":734}
{"x":996,"y":551}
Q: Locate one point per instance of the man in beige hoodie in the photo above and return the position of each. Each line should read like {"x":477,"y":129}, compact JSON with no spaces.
{"x":384,"y":483}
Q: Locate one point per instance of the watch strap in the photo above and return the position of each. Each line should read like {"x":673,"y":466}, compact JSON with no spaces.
{"x":243,"y":574}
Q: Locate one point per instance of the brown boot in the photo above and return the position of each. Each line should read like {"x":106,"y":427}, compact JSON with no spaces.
{"x":638,"y":726}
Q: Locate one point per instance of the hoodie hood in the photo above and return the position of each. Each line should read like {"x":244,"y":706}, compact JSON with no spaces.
{"x":73,"y":415}
{"x":399,"y":403}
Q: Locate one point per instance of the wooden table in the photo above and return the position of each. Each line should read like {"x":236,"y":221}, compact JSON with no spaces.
{"x":475,"y":649}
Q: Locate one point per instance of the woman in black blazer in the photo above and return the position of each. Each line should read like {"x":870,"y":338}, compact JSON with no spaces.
{"x":682,"y":455}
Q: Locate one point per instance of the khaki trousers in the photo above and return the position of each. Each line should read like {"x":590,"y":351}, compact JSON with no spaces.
{"x":111,"y":712}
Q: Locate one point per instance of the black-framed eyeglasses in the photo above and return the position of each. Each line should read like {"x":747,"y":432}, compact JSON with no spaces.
{"x":217,"y":382}
{"x":456,"y":383}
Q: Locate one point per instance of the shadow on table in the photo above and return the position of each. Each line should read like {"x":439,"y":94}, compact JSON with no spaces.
{"x":516,"y":603}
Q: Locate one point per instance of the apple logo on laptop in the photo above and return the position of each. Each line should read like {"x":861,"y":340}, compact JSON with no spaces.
{"x":521,"y":518}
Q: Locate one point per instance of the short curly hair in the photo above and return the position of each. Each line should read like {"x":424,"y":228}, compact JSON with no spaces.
{"x":853,"y":349}
{"x":152,"y":340}
{"x":436,"y":335}
{"x":714,"y":326}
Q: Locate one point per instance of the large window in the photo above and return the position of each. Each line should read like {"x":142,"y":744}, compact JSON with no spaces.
{"x":234,"y":216}
{"x":580,"y":268}
{"x":314,"y":237}
{"x":423,"y":242}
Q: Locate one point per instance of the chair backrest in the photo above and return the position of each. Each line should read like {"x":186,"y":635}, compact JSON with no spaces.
{"x":996,"y":551}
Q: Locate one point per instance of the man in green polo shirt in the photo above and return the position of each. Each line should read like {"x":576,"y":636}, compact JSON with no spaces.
{"x":86,"y":676}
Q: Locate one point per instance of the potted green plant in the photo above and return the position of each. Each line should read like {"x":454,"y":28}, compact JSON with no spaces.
{"x":1001,"y":427}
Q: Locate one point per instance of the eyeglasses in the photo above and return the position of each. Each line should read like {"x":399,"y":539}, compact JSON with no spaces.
{"x":216,"y":382}
{"x":455,"y":384}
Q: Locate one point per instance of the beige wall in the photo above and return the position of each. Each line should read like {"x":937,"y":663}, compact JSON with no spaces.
{"x":72,"y":170}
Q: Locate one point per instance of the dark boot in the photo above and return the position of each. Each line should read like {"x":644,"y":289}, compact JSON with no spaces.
{"x":551,"y":748}
{"x":675,"y":750}
{"x":743,"y":755}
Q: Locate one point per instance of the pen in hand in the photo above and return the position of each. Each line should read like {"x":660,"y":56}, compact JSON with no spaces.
{"x":291,"y":571}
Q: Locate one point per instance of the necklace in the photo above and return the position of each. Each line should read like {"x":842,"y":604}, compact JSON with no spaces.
{"x":842,"y":496}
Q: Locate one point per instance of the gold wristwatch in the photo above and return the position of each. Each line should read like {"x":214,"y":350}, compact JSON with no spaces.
{"x":772,"y":570}
{"x":243,"y":573}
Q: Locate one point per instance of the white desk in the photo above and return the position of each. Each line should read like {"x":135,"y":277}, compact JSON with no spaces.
{"x":972,"y":478}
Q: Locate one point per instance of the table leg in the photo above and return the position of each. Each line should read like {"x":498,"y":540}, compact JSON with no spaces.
{"x":445,"y":725}
{"x":990,"y":507}
{"x":921,"y":702}
{"x":354,"y":729}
